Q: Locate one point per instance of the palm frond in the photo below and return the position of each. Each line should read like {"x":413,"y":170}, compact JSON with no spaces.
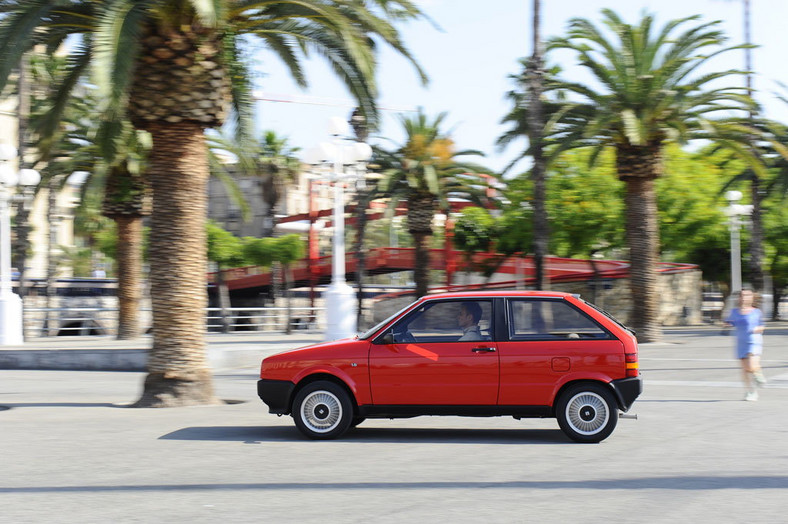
{"x":17,"y":29}
{"x":117,"y":43}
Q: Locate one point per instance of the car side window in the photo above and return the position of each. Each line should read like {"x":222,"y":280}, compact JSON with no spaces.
{"x":446,"y":321}
{"x":533,"y":319}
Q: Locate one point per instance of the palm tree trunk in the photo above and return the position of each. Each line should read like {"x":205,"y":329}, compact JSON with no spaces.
{"x":276,"y":286}
{"x":594,"y":278}
{"x":129,"y":259}
{"x":777,"y":286}
{"x":643,"y":239}
{"x":22,"y":244}
{"x":178,"y":372}
{"x":288,"y":305}
{"x":223,"y":297}
{"x":535,"y":132}
{"x":756,"y":236}
{"x":364,"y":198}
{"x":422,"y":263}
{"x":51,"y":318}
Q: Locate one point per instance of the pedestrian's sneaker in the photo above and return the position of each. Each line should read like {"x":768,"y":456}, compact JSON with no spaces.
{"x":751,"y":396}
{"x":759,"y":378}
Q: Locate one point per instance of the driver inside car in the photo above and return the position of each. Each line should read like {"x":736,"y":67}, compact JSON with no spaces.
{"x":468,"y":319}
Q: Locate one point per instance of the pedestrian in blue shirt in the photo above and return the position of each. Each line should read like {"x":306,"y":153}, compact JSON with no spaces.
{"x":748,"y":321}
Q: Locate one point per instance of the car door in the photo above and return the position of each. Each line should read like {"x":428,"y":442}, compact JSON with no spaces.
{"x":547,"y":340}
{"x":422,"y":360}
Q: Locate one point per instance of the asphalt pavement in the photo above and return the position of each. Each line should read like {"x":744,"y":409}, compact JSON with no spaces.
{"x":72,"y":452}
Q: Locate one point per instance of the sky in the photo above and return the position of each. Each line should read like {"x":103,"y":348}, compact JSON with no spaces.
{"x":469,"y":59}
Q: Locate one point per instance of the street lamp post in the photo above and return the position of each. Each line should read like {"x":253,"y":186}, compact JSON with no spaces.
{"x":735,"y":212}
{"x":10,"y":303}
{"x":341,"y":160}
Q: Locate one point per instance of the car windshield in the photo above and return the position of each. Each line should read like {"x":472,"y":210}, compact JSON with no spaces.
{"x":375,"y":329}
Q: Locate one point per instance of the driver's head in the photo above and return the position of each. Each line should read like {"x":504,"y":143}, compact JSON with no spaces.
{"x":469,"y":315}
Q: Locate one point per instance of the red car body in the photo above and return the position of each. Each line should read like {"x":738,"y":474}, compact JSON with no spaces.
{"x":534,"y":354}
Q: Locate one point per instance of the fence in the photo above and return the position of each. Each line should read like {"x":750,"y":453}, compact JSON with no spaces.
{"x":86,"y":321}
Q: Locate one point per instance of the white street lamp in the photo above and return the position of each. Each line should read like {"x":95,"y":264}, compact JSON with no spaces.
{"x":734,"y":211}
{"x":10,"y":303}
{"x":341,"y":160}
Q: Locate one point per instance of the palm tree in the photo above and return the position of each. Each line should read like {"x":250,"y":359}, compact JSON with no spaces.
{"x":272,"y":160}
{"x":175,"y":67}
{"x":535,"y":123}
{"x":364,"y":198}
{"x":648,"y":92}
{"x":425,"y":172}
{"x":70,"y":140}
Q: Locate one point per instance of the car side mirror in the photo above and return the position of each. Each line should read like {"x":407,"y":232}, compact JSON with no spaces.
{"x":388,"y":338}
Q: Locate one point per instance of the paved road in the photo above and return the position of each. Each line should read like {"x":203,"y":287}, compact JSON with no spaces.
{"x":698,"y":453}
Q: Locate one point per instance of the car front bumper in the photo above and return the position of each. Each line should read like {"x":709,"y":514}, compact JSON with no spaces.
{"x":627,"y":390}
{"x":277,"y":394}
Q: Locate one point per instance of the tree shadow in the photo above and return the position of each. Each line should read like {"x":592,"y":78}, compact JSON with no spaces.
{"x":9,"y":405}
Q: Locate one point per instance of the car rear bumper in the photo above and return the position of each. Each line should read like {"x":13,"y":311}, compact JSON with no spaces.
{"x":627,"y":390}
{"x":276,"y":394}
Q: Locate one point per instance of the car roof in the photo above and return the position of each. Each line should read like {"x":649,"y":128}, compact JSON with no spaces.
{"x":489,"y":294}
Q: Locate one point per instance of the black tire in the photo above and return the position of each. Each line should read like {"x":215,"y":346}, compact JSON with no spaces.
{"x":322,"y":410}
{"x":587,"y":412}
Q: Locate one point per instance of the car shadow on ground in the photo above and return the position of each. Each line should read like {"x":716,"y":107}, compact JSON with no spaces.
{"x":259,"y":434}
{"x":683,"y":483}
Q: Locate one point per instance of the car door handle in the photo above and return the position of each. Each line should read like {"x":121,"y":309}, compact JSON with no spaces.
{"x":483,"y":350}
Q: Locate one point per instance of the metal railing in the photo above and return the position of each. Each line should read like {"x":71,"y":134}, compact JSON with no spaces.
{"x":82,"y":321}
{"x":264,"y":318}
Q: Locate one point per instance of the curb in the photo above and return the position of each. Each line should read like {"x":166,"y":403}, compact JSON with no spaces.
{"x":77,"y":355}
{"x":75,"y":359}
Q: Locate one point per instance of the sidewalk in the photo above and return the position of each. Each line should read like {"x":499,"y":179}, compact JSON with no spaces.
{"x":246,"y":349}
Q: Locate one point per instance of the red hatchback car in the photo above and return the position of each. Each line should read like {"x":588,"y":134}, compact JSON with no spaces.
{"x":522,"y":354}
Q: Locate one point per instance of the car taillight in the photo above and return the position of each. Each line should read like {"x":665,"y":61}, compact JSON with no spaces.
{"x":633,"y":367}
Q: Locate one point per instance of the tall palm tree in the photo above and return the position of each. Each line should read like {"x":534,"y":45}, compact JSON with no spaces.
{"x":648,"y":91}
{"x":425,"y":171}
{"x":175,"y":67}
{"x":535,"y":122}
{"x":364,"y":198}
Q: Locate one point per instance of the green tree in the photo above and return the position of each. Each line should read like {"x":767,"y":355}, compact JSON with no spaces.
{"x":175,"y":67}
{"x":290,"y":248}
{"x":691,"y":217}
{"x":585,"y":205}
{"x":475,"y":231}
{"x":648,"y":92}
{"x":226,"y":250}
{"x":284,"y":250}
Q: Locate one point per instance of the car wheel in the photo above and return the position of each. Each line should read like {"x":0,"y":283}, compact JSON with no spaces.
{"x":322,"y":410}
{"x":587,"y":413}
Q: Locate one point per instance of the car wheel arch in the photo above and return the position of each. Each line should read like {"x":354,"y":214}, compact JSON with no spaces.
{"x":328,"y":377}
{"x":572,"y":383}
